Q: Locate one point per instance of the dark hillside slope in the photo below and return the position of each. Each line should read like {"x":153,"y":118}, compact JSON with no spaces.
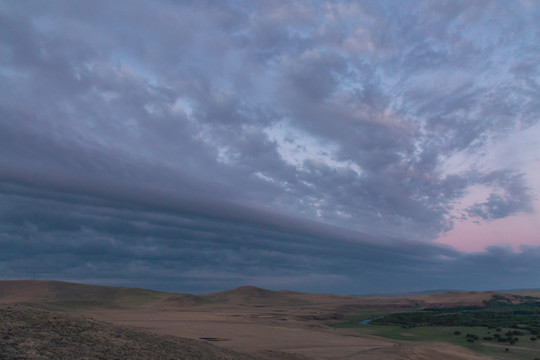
{"x":30,"y":333}
{"x":60,"y":294}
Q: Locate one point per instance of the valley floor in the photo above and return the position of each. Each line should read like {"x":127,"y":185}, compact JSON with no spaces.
{"x":257,"y":330}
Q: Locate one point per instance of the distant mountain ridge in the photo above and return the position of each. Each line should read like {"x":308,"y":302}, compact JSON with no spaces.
{"x":58,"y":294}
{"x":519,"y":291}
{"x":443,"y":291}
{"x":68,"y":294}
{"x":410,"y":293}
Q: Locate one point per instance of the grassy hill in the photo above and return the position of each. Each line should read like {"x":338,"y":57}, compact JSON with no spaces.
{"x":66,"y":294}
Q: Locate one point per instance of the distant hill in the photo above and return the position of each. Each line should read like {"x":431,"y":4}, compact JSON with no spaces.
{"x":458,"y":298}
{"x":519,"y":291}
{"x":257,"y":296}
{"x":250,"y":295}
{"x":73,"y":295}
{"x":66,"y":295}
{"x":427,"y":293}
{"x":409,"y":294}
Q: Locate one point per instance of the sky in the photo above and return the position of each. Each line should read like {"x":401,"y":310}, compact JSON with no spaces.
{"x":348,"y":147}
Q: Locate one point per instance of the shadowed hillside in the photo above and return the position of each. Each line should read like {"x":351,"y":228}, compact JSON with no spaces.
{"x":29,"y":333}
{"x":66,"y":294}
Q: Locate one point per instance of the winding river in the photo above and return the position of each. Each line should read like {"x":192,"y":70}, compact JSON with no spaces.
{"x":367,"y":321}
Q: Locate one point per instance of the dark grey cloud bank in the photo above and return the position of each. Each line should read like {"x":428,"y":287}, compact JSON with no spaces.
{"x":150,"y":243}
{"x":196,"y":146}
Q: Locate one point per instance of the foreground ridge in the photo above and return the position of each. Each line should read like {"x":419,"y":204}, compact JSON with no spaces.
{"x":30,"y":333}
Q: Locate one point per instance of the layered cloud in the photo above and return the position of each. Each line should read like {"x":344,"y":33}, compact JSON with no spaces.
{"x":205,"y":138}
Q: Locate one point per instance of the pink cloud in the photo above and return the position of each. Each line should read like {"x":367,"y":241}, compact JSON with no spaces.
{"x":511,"y":231}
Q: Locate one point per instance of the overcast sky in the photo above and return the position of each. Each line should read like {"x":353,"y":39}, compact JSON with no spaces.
{"x":340,"y":146}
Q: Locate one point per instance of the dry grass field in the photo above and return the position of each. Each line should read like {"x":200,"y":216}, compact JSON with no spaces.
{"x":244,"y":323}
{"x":31,"y":333}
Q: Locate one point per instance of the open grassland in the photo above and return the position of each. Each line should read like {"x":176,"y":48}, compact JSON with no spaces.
{"x":524,"y":349}
{"x":505,"y":327}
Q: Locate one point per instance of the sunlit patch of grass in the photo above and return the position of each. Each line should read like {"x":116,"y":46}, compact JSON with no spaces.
{"x":448,"y":335}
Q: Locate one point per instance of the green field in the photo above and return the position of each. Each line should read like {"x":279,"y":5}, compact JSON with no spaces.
{"x":531,"y":349}
{"x":425,"y":325}
{"x":523,"y":349}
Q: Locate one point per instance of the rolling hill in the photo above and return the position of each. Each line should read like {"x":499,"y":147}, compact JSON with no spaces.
{"x":61,"y":294}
